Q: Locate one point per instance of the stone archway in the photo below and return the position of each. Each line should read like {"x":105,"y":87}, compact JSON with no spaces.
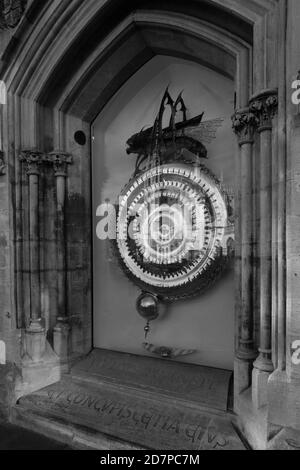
{"x":62,"y":91}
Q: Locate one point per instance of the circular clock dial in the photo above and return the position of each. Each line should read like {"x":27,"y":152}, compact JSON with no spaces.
{"x":170,"y":228}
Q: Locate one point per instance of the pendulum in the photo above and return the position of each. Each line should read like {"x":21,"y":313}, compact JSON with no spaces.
{"x":147,"y":329}
{"x":147,"y":307}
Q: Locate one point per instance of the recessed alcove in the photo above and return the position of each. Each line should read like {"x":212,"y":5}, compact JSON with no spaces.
{"x":65,"y":65}
{"x":204,"y":323}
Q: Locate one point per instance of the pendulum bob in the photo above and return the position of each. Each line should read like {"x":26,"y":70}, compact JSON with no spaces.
{"x":147,"y":307}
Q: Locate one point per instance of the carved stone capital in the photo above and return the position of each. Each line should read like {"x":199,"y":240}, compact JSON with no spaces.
{"x":244,"y":123}
{"x":11,"y":12}
{"x":33,"y":160}
{"x":60,"y":161}
{"x":264,"y":106}
{"x":2,"y":164}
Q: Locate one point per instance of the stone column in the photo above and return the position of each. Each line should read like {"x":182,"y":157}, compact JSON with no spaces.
{"x":35,"y":338}
{"x":244,"y":123}
{"x":264,"y":106}
{"x":61,"y":334}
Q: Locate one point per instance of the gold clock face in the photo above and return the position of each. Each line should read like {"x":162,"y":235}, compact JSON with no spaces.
{"x":170,"y":229}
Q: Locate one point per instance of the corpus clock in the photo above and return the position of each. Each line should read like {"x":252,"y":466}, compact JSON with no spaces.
{"x":174,"y":216}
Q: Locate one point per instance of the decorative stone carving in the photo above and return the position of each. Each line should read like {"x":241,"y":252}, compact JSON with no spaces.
{"x":11,"y":12}
{"x":264,"y":107}
{"x":60,"y":161}
{"x":32,"y":159}
{"x":244,"y":123}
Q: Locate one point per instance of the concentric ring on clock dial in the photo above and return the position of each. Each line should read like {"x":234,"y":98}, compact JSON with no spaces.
{"x":170,"y":225}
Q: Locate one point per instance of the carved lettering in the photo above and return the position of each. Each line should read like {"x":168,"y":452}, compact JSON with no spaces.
{"x":157,"y":421}
{"x":114,"y":408}
{"x":106,"y":406}
{"x":124,"y":413}
{"x":96,"y":407}
{"x":89,"y":402}
{"x":54,"y":395}
{"x":216,"y":440}
{"x":193,"y":433}
{"x":292,"y":443}
{"x":79,"y":399}
{"x":148,"y":420}
{"x":174,"y":426}
{"x":135,"y":417}
{"x":70,"y":398}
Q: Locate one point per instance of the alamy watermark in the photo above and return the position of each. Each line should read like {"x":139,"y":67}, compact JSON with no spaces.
{"x":161,"y":222}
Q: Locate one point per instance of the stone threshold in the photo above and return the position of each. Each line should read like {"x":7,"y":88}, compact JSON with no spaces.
{"x":99,"y":405}
{"x":111,"y":417}
{"x":201,"y":385}
{"x":77,"y":437}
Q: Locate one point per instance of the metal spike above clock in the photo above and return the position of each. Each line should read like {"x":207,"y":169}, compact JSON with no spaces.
{"x":188,"y":135}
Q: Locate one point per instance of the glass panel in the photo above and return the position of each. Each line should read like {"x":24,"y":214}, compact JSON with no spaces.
{"x":204,"y":323}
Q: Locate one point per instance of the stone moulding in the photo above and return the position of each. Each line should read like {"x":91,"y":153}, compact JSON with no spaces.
{"x":33,"y":159}
{"x":60,"y":160}
{"x":244,"y":123}
{"x":257,"y":117}
{"x":264,"y":106}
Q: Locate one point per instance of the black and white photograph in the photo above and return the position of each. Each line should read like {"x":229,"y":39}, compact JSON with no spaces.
{"x":149,"y":228}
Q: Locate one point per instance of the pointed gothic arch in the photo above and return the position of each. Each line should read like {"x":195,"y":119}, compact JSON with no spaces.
{"x":63,"y":63}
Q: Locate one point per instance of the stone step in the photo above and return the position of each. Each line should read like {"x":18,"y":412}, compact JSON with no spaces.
{"x":205,"y":386}
{"x":110,"y":416}
{"x":62,"y":430}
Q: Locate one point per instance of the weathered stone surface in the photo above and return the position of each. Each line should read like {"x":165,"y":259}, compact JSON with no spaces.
{"x":7,"y":377}
{"x":145,"y":419}
{"x":75,"y":436}
{"x":242,"y":376}
{"x":259,"y":388}
{"x":286,"y":439}
{"x":15,"y":438}
{"x":202,"y":385}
